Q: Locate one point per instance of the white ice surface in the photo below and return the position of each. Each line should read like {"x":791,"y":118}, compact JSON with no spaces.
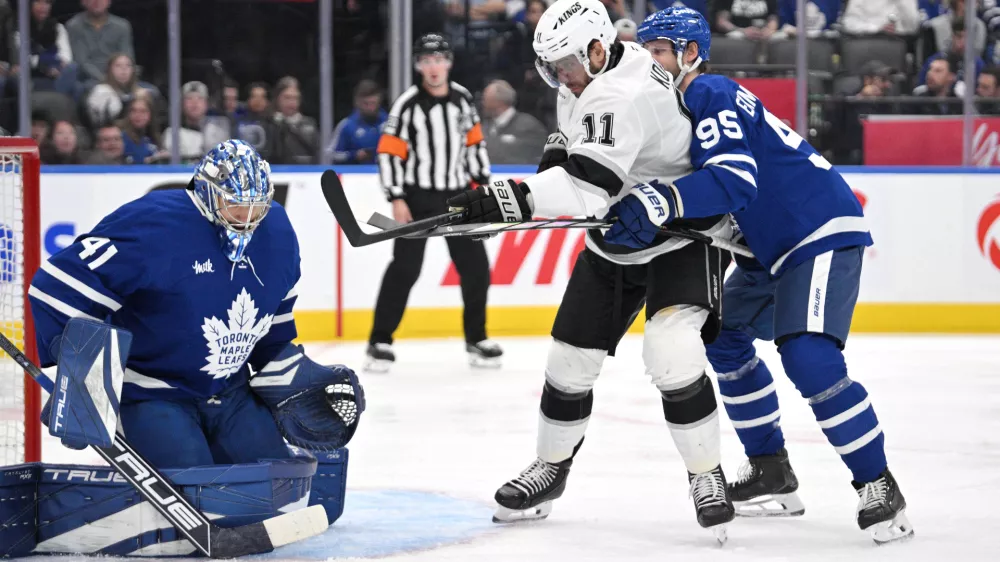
{"x":438,"y":438}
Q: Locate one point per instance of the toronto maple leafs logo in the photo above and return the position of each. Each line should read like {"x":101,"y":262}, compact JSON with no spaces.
{"x":229,"y":345}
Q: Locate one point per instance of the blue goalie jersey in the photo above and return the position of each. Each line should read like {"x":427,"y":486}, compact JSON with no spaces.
{"x":786,"y":198}
{"x":156,"y":267}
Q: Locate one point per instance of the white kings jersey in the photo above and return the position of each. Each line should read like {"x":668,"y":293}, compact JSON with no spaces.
{"x":629,"y":126}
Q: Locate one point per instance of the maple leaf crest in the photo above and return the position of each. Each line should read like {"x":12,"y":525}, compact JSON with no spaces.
{"x":230,"y":344}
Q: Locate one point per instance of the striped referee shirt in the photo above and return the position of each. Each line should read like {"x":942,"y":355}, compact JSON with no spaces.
{"x":432,"y":143}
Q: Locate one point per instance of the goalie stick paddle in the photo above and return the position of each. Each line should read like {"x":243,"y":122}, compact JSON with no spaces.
{"x":336,"y":199}
{"x":211,"y":540}
{"x":485,"y":229}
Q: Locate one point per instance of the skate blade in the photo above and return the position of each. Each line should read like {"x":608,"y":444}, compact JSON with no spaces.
{"x":376,"y":365}
{"x":898,"y":528}
{"x":771,"y":505}
{"x":721,"y":533}
{"x":481,"y":362}
{"x":506,"y":515}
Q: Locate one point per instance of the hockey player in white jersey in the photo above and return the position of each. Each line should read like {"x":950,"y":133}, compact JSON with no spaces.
{"x":621,"y":123}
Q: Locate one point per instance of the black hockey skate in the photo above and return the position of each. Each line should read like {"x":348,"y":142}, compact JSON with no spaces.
{"x":485,"y":353}
{"x":378,"y":358}
{"x":765,"y":487}
{"x":711,"y":501}
{"x":882,"y":509}
{"x":530,"y":495}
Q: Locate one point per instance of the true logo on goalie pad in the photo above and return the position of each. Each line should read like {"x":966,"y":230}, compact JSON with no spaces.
{"x":230,"y":343}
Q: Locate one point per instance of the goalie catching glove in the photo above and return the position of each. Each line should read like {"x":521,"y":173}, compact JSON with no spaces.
{"x":90,"y":371}
{"x":501,"y":201}
{"x":316,"y":407}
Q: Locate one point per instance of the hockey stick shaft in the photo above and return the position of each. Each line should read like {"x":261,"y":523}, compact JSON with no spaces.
{"x":486,"y":229}
{"x":210,"y":540}
{"x":336,"y":199}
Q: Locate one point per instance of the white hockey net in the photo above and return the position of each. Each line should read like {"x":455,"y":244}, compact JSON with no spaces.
{"x":16,"y":398}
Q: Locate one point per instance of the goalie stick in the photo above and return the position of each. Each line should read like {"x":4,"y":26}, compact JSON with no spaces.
{"x":385,"y":223}
{"x":211,"y":540}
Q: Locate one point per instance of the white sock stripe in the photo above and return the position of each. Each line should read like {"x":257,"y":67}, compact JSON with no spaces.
{"x":763,"y":420}
{"x":859,"y":442}
{"x":746,"y":398}
{"x":741,"y":372}
{"x":846,"y":414}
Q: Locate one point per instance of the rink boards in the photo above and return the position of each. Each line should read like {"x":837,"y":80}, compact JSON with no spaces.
{"x":935,"y":266}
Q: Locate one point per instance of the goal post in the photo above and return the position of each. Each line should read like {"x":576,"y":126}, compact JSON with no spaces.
{"x":20,"y":258}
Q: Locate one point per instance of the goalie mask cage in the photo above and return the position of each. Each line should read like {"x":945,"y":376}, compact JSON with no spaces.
{"x":20,"y":257}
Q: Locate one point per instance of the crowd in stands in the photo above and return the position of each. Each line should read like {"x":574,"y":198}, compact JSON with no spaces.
{"x":93,"y":104}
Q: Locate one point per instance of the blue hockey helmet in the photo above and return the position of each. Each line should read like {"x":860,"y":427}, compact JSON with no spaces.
{"x":234,"y":190}
{"x":680,"y":26}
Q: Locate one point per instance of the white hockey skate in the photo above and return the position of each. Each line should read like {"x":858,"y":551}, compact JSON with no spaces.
{"x":484,"y":354}
{"x":378,"y":358}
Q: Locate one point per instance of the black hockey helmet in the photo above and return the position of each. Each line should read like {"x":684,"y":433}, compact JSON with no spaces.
{"x":431,"y":43}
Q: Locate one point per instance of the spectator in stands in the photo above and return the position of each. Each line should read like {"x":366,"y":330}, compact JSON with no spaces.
{"x":511,"y":136}
{"x":52,"y":66}
{"x":875,"y":79}
{"x":109,"y":148}
{"x":231,"y":105}
{"x":930,"y":9}
{"x":747,"y":19}
{"x":516,"y":62}
{"x":356,"y":137}
{"x":298,"y":135}
{"x":108,"y":99}
{"x":626,"y":29}
{"x":943,"y":27}
{"x":63,"y":147}
{"x":956,"y":47}
{"x":616,"y":9}
{"x":889,"y":17}
{"x":257,"y":126}
{"x":942,"y":78}
{"x":141,"y":133}
{"x":700,"y":5}
{"x":95,"y":37}
{"x":199,"y":132}
{"x":40,"y":127}
{"x":988,"y":89}
{"x":820,"y":17}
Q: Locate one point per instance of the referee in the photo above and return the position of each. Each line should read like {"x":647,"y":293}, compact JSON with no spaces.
{"x":431,"y":147}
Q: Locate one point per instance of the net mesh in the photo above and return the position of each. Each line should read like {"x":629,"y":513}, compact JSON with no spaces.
{"x":11,"y":307}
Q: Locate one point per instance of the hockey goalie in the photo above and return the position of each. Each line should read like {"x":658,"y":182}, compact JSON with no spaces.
{"x":171,"y":322}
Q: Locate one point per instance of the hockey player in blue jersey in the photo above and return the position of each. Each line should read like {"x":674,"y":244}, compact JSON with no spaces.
{"x":808,"y":233}
{"x":204,"y":281}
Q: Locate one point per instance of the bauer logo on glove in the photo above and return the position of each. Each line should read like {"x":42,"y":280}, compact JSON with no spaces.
{"x":641,"y":213}
{"x":502,"y":201}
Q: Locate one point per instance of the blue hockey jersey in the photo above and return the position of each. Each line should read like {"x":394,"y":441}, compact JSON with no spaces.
{"x":155,"y":267}
{"x":786,"y":198}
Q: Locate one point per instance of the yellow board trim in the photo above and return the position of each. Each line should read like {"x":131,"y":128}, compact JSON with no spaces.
{"x":319,"y":325}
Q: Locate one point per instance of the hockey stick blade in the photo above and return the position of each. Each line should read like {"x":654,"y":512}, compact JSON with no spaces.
{"x":336,"y":199}
{"x":484,"y":229}
{"x":211,"y":540}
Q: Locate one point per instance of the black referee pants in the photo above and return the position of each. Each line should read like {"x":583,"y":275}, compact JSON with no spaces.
{"x":407,"y":258}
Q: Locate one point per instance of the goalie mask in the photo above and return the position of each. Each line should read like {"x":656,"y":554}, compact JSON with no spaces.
{"x":234,"y":190}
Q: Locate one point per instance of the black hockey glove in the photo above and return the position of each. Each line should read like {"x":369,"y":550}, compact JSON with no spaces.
{"x":501,"y":201}
{"x":554,"y":152}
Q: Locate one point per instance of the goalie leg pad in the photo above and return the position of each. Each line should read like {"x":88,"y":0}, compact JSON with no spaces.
{"x":317,"y":407}
{"x":329,"y":486}
{"x":91,"y":367}
{"x":18,"y":526}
